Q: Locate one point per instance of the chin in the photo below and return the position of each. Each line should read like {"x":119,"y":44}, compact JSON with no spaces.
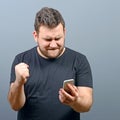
{"x":53,"y":57}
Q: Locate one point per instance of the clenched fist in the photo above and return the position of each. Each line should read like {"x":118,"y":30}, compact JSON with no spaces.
{"x":22,"y":73}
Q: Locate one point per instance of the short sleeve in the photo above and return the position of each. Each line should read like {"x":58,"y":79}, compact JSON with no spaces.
{"x":84,"y":74}
{"x":12,"y":75}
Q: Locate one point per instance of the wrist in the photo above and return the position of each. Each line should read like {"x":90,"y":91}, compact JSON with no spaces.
{"x":18,"y":84}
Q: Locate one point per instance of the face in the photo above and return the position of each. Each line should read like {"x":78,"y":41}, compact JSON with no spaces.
{"x":50,"y":41}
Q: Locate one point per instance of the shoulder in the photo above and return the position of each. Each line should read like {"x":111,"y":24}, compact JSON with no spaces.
{"x":26,"y":55}
{"x":75,"y":54}
{"x":79,"y":59}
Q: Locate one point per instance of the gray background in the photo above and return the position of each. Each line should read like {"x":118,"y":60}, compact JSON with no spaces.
{"x":93,"y":28}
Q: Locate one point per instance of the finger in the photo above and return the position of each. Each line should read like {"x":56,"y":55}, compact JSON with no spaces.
{"x":65,"y":95}
{"x":26,"y":73}
{"x":66,"y":100}
{"x":63,"y":98}
{"x":70,"y":88}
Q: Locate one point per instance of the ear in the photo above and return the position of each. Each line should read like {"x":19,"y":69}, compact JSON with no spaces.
{"x":64,"y":30}
{"x":35,"y":35}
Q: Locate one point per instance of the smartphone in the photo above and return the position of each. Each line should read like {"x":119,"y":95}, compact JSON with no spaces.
{"x":65,"y":82}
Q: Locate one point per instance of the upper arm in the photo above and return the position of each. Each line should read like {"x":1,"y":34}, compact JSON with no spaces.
{"x":87,"y":93}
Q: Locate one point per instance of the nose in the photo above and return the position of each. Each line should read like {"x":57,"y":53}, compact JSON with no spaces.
{"x":53,"y":44}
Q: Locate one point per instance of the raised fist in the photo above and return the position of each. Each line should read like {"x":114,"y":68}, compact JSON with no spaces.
{"x":22,"y":73}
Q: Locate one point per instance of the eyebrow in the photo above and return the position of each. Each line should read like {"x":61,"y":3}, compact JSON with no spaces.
{"x":48,"y":37}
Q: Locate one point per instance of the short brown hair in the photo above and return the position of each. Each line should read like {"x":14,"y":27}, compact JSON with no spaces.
{"x":49,"y":17}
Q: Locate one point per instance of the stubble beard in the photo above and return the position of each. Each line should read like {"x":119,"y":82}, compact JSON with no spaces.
{"x":46,"y":53}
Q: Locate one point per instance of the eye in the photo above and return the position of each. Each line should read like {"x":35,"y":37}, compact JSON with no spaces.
{"x":57,"y":39}
{"x":48,"y":39}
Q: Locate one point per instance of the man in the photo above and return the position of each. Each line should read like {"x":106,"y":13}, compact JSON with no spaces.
{"x":37,"y":75}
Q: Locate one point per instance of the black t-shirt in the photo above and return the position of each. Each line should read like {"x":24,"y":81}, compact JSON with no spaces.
{"x":46,"y":78}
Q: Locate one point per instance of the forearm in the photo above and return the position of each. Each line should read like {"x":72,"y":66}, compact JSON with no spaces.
{"x":16,"y":96}
{"x":79,"y":98}
{"x":82,"y":104}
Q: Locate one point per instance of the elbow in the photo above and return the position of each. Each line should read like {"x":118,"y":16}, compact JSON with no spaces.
{"x":82,"y":110}
{"x":14,"y":106}
{"x":87,"y":108}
